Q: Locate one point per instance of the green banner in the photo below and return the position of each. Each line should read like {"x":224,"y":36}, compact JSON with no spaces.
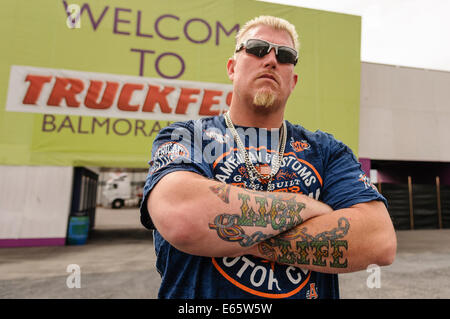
{"x":92,"y":82}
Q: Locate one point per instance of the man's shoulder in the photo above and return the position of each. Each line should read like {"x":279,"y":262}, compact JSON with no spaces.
{"x":317,"y":135}
{"x":323,"y":141}
{"x":204,"y":121}
{"x":191,"y":124}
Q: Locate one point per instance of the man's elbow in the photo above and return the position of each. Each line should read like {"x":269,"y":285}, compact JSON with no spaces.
{"x":385,"y":238}
{"x":387,"y":251}
{"x":176,"y":225}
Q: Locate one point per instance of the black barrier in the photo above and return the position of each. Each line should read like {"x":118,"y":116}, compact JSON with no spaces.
{"x":398,"y":201}
{"x":425,"y":206}
{"x":445,"y":206}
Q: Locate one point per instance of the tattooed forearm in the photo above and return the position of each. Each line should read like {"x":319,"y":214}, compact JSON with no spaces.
{"x":300,"y":248}
{"x":222,"y":191}
{"x":229,"y":230}
{"x":281,"y":212}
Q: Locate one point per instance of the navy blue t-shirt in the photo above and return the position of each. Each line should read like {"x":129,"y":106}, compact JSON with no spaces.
{"x":314,"y":163}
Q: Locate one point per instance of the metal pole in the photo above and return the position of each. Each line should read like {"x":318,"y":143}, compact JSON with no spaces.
{"x":438,"y":193}
{"x":411,"y":212}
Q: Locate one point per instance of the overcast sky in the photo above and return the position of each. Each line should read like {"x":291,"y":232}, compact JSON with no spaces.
{"x":414,"y":33}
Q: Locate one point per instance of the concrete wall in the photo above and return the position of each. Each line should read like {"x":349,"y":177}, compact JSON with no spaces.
{"x":34,"y":205}
{"x":404,"y":114}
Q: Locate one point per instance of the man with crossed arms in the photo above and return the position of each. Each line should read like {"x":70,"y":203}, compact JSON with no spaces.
{"x":233,"y":225}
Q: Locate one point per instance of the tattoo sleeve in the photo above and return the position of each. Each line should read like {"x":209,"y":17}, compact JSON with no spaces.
{"x":298,"y":247}
{"x":279,"y":211}
{"x":222,"y":191}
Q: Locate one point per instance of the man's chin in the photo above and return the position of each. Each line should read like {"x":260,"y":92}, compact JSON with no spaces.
{"x":264,"y":99}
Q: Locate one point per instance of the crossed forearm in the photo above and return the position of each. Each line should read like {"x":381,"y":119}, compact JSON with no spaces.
{"x":295,"y":245}
{"x":277,"y":212}
{"x":205,"y":217}
{"x":345,"y":241}
{"x":327,"y":251}
{"x":261,"y":215}
{"x":340,"y":241}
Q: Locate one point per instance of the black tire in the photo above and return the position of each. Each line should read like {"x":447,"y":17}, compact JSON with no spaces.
{"x":117,"y":203}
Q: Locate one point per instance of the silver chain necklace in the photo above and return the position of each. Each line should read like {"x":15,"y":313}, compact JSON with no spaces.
{"x":277,"y":158}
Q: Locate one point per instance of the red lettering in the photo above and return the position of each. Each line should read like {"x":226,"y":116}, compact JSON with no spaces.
{"x":35,"y":88}
{"x":65,"y":88}
{"x":154,"y":96}
{"x":94,"y":92}
{"x":312,"y":292}
{"x":125,"y":97}
{"x":185,"y":99}
{"x":103,"y":95}
{"x":208,"y":101}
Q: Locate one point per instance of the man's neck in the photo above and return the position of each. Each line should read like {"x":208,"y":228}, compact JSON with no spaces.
{"x":253,"y":117}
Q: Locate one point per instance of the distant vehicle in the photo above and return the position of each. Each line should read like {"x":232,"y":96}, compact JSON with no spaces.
{"x":118,"y":192}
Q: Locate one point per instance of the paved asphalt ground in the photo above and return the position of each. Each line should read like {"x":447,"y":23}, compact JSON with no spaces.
{"x":119,"y":262}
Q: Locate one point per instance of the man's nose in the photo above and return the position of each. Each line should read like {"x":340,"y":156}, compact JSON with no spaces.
{"x":270,"y":59}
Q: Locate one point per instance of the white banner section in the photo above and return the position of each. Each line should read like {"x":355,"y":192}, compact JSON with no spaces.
{"x":56,"y":91}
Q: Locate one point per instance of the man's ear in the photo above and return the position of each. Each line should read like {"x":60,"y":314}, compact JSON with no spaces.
{"x":294,"y":82}
{"x":230,"y":68}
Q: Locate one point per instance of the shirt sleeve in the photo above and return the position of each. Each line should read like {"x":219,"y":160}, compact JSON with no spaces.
{"x":174,"y":149}
{"x":345,"y":183}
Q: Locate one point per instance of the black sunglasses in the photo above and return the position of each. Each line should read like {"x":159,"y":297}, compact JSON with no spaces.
{"x":260,"y":48}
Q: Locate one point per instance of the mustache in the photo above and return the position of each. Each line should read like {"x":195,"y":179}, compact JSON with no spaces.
{"x":267,"y":74}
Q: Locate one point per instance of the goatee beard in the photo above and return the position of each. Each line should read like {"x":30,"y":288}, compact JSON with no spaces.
{"x":264,"y":98}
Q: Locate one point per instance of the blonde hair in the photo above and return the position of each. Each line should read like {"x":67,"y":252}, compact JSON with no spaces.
{"x":274,"y":22}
